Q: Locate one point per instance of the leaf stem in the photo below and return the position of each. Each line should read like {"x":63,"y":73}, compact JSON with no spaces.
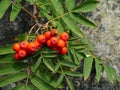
{"x":28,"y":76}
{"x":59,"y":16}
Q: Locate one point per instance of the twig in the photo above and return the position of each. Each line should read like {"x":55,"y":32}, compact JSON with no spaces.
{"x":31,"y":29}
{"x":28,"y":76}
{"x":28,"y":12}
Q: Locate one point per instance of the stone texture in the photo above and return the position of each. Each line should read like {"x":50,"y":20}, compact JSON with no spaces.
{"x":106,"y":37}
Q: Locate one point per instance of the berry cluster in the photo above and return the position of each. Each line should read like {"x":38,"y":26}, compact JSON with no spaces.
{"x":49,"y":38}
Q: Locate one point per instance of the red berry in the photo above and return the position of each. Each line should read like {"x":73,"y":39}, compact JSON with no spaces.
{"x":47,"y":35}
{"x":31,"y":47}
{"x":64,"y":36}
{"x":38,"y":45}
{"x":16,"y":47}
{"x":61,"y":43}
{"x":22,"y":53}
{"x":63,"y":50}
{"x":54,"y":40}
{"x":54,"y":32}
{"x":49,"y":44}
{"x":23,"y":45}
{"x":16,"y":56}
{"x":41,"y":38}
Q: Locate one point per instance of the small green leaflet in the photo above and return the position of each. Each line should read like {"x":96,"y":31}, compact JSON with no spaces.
{"x":12,"y":68}
{"x":70,"y":4}
{"x":12,"y":78}
{"x":37,"y":64}
{"x":98,"y":68}
{"x":87,"y":67}
{"x":49,"y":64}
{"x":111,"y":73}
{"x":82,"y":20}
{"x":59,"y":80}
{"x":6,"y":50}
{"x":72,"y":25}
{"x":16,"y":8}
{"x":40,"y":84}
{"x":7,"y":58}
{"x":70,"y":84}
{"x":86,"y":6}
{"x":68,"y":64}
{"x":4,"y":4}
{"x":57,"y":6}
{"x":75,"y":74}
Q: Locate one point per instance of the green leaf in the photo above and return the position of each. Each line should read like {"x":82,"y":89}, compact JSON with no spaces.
{"x":59,"y":80}
{"x":118,"y":78}
{"x":98,"y":68}
{"x":68,"y":64}
{"x":87,"y":67}
{"x":40,"y":84}
{"x":49,"y":64}
{"x":37,"y":64}
{"x":49,"y":55}
{"x":74,"y":74}
{"x":82,"y":20}
{"x":111,"y":73}
{"x":5,"y":80}
{"x":12,"y":68}
{"x":16,"y":8}
{"x":73,"y":56}
{"x":22,"y":87}
{"x":21,"y":37}
{"x":70,"y":84}
{"x":46,"y":77}
{"x":57,"y":6}
{"x":30,"y":1}
{"x":72,"y":25}
{"x":78,"y":46}
{"x":86,"y":6}
{"x":4,"y":4}
{"x":70,"y":4}
{"x":7,"y":58}
{"x":90,"y":47}
{"x":60,"y":28}
{"x":6,"y":50}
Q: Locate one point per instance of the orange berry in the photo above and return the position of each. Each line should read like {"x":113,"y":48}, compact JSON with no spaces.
{"x":54,"y":32}
{"x":41,"y":38}
{"x":54,"y":40}
{"x":16,"y":56}
{"x":47,"y":35}
{"x":16,"y":47}
{"x":63,"y":50}
{"x":61,"y":43}
{"x":64,"y":36}
{"x":49,"y":44}
{"x":23,"y":45}
{"x":31,"y":47}
{"x":38,"y":45}
{"x":22,"y":53}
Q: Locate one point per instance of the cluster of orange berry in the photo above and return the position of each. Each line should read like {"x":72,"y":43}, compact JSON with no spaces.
{"x":49,"y":38}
